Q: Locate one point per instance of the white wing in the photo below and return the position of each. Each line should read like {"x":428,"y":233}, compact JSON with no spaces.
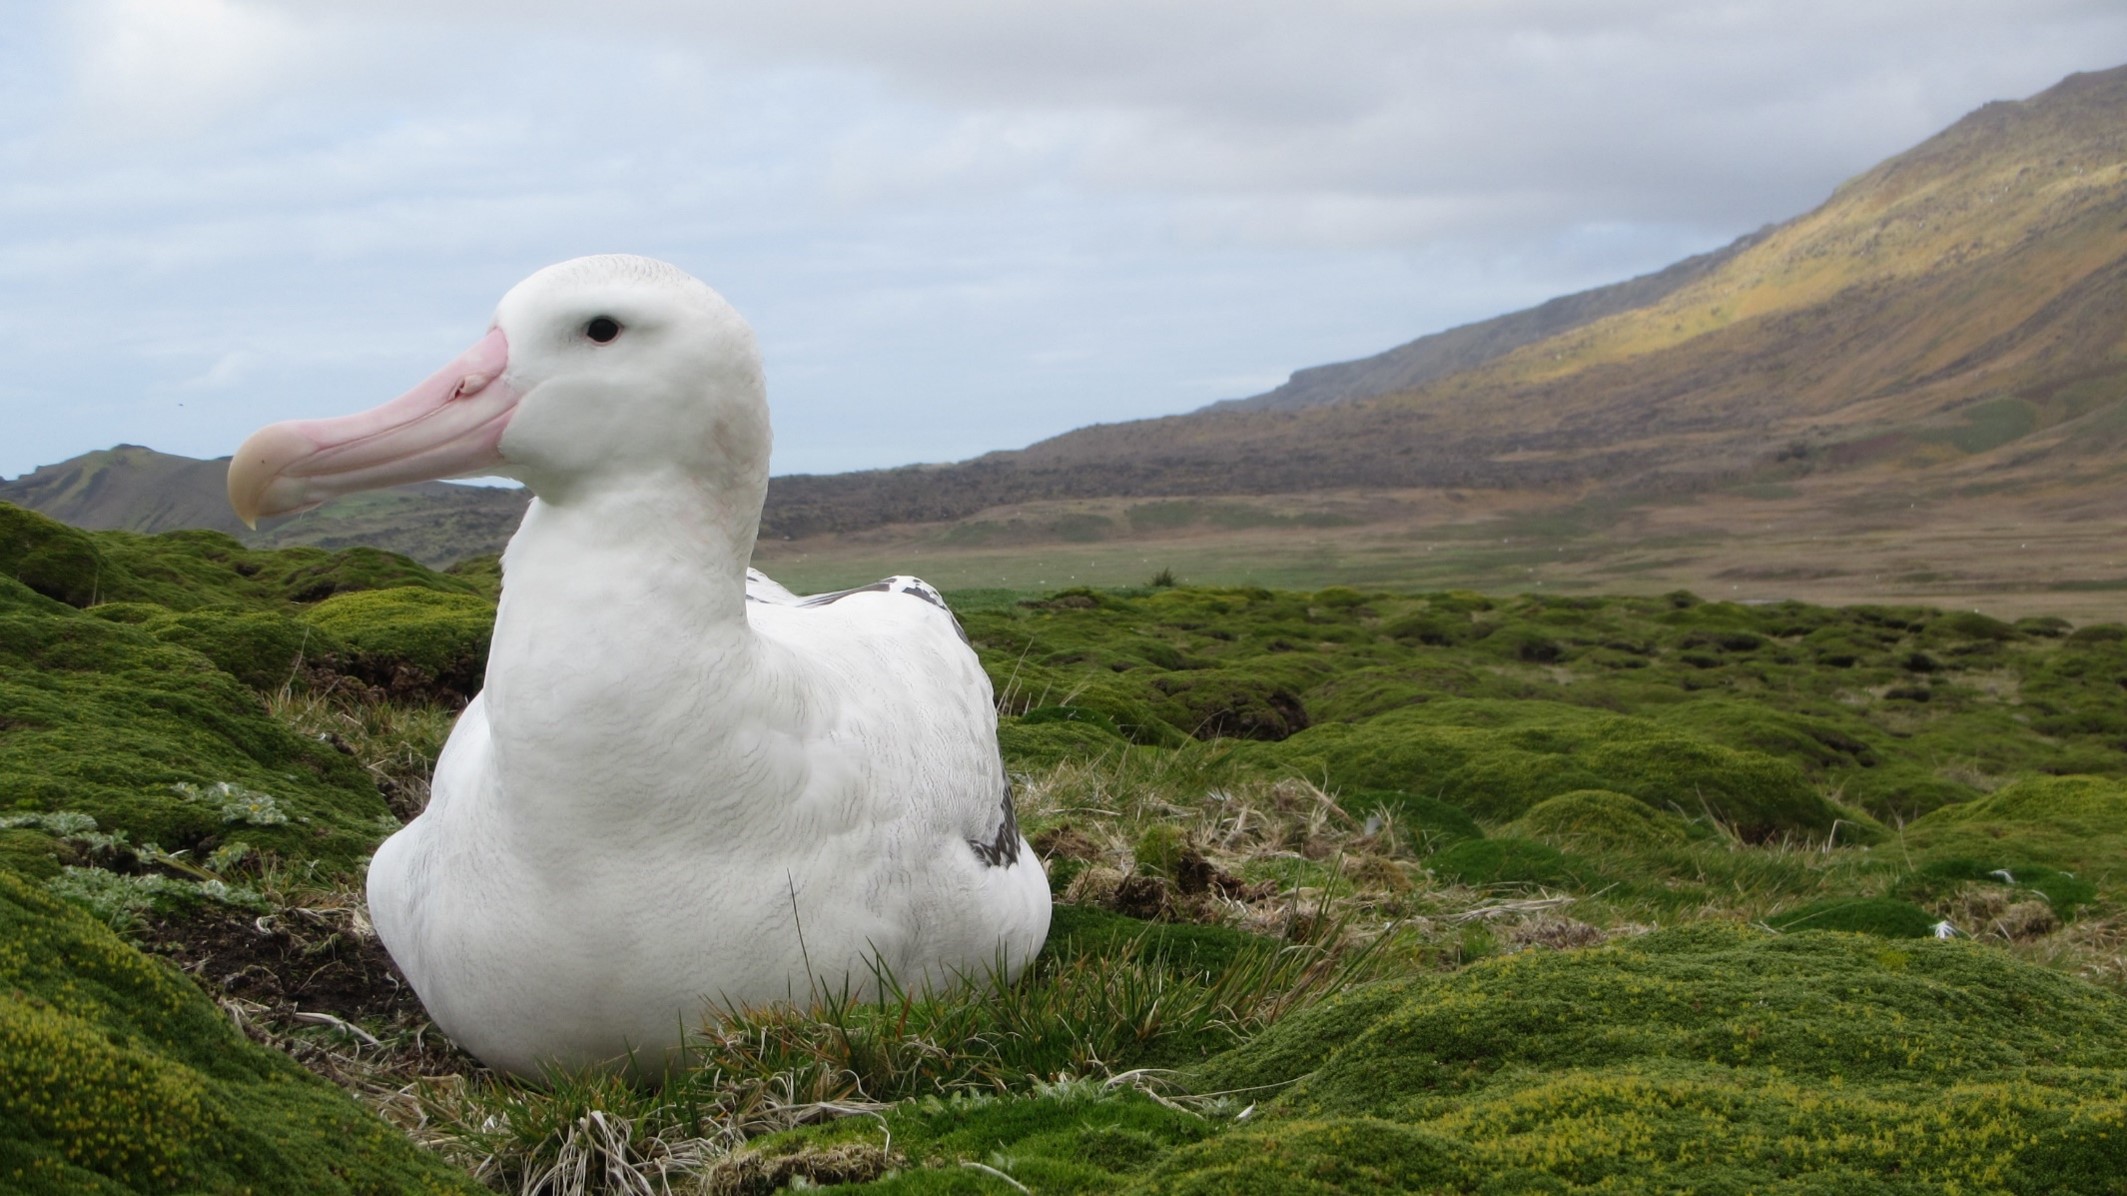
{"x":760,"y":588}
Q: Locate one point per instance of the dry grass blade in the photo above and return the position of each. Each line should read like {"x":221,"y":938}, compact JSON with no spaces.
{"x":311,"y":1017}
{"x":396,"y":742}
{"x":1510,"y":908}
{"x":994,"y":1173}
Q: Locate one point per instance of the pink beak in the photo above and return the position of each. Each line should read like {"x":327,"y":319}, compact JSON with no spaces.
{"x":448,"y":426}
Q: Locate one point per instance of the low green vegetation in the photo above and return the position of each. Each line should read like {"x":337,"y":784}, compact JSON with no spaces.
{"x":1356,"y":892}
{"x":1989,"y":424}
{"x":1706,"y":1059}
{"x":1770,"y":721}
{"x":118,"y":1075}
{"x":139,"y":737}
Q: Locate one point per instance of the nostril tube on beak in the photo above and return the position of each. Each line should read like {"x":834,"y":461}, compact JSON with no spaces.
{"x":449,"y":425}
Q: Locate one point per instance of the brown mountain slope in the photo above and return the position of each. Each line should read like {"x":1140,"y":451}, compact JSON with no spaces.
{"x":1986,"y":265}
{"x":1437,"y":355}
{"x":128,"y":487}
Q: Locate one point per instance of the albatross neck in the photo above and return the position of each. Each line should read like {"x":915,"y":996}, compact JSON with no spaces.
{"x":662,"y":553}
{"x":622,"y":622}
{"x":622,"y":633}
{"x":611,"y":579}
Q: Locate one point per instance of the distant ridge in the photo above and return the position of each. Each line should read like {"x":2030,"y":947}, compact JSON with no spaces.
{"x":133,"y":488}
{"x":1436,"y":355}
{"x":129,"y":487}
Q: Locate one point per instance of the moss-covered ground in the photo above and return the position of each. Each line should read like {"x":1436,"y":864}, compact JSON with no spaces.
{"x":1357,"y":892}
{"x":1713,"y":1058}
{"x":118,"y":1075}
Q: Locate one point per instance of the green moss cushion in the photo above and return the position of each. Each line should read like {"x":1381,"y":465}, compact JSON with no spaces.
{"x":1510,"y":861}
{"x":2077,"y":824}
{"x":1230,"y":703}
{"x":1602,"y":818}
{"x":118,"y":1076}
{"x":1759,"y":796}
{"x":1713,"y":1059}
{"x":1886,"y":917}
{"x":1048,"y":742}
{"x":411,"y":640}
{"x":1077,"y":930}
{"x":1719,"y":1059}
{"x":51,"y":559}
{"x":2094,"y":806}
{"x":108,"y":721}
{"x":1901,"y":792}
{"x":264,"y":649}
{"x":1820,"y":1005}
{"x":1425,"y":823}
{"x":1498,"y":760}
{"x":1321,"y":1158}
{"x":16,"y":597}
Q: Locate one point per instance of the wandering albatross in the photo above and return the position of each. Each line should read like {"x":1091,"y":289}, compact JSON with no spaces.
{"x":684,"y":788}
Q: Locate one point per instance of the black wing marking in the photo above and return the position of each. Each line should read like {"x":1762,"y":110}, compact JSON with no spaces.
{"x":1003,"y":849}
{"x":839,"y":595}
{"x":914,"y":587}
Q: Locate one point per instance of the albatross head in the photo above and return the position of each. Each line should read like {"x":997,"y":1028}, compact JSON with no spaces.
{"x":596,"y":372}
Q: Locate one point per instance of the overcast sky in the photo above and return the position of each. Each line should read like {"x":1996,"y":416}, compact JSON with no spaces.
{"x":958,"y":225}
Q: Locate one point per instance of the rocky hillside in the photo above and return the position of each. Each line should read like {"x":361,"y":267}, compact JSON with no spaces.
{"x":129,"y":487}
{"x":1437,"y":355}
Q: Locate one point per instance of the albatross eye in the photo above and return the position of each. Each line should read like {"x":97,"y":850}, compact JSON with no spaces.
{"x":602,"y":329}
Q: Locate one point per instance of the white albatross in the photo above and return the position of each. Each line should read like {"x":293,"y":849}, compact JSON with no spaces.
{"x":673,"y":795}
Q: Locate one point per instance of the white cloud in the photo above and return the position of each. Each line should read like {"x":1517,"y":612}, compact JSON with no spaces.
{"x":230,"y":368}
{"x":1646,"y":104}
{"x":1735,"y":111}
{"x":156,"y":68}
